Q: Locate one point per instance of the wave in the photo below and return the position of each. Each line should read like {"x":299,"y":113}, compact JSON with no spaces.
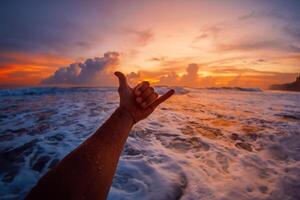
{"x":50,"y":90}
{"x":61,"y":90}
{"x":236,"y":89}
{"x":178,"y":90}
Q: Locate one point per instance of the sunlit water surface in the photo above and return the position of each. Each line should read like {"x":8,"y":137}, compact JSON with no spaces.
{"x":200,"y":144}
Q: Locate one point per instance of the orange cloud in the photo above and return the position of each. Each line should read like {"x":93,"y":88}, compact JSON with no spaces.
{"x":221,"y":76}
{"x":29,"y":69}
{"x":21,"y":69}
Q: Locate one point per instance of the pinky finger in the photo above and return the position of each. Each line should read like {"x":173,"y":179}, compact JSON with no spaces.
{"x":162,"y":98}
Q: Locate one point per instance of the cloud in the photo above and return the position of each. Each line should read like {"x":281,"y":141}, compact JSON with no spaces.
{"x":32,"y":59}
{"x":98,"y":72}
{"x":168,"y":76}
{"x":279,"y":45}
{"x":158,"y":59}
{"x":275,"y":31}
{"x":171,"y":79}
{"x":190,"y":78}
{"x":235,"y":81}
{"x":51,"y":27}
{"x":95,"y":71}
{"x":240,"y":71}
{"x":234,"y":77}
{"x":141,"y":37}
{"x":273,"y":14}
{"x":247,"y":77}
{"x":293,"y":31}
{"x":134,"y":75}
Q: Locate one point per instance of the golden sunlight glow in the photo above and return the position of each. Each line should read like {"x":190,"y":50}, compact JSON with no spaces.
{"x":159,"y":40}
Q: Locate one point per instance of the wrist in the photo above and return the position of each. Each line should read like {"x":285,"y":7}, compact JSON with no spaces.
{"x":126,"y":115}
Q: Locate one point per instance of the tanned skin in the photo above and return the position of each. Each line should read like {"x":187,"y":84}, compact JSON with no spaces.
{"x":87,"y":172}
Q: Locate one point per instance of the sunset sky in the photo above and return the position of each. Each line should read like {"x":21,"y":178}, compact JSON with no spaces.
{"x":247,"y":43}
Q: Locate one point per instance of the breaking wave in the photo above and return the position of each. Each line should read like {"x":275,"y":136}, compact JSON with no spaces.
{"x":236,"y":89}
{"x":49,"y":90}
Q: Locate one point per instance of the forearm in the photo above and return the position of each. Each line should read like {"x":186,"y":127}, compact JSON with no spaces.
{"x":87,"y":172}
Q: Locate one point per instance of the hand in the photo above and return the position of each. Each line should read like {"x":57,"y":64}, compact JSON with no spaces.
{"x":140,"y":101}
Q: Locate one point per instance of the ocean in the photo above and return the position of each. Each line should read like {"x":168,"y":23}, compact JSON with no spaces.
{"x":218,"y":143}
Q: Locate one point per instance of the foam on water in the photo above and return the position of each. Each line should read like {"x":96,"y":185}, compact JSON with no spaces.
{"x":201,"y":144}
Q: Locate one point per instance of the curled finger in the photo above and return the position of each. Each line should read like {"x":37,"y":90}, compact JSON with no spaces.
{"x":149,"y":100}
{"x":141,"y":87}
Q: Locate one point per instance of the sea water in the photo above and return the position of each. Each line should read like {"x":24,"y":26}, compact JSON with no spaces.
{"x":200,"y":144}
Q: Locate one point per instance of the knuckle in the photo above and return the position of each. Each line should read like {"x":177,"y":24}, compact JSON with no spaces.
{"x":137,"y":92}
{"x":151,"y":89}
{"x":146,"y":84}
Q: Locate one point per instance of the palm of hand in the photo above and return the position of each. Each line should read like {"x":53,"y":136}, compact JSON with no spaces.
{"x":127,"y":101}
{"x":140,"y":101}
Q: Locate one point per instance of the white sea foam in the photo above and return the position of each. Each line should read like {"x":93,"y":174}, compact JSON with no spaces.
{"x":200,"y":144}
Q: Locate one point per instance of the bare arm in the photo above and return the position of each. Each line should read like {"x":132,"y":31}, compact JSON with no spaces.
{"x":87,"y":172}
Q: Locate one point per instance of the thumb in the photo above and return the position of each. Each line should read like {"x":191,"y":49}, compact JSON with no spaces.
{"x":122,"y":79}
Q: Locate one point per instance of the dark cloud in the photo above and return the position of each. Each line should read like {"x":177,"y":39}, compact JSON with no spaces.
{"x":47,"y":27}
{"x":95,"y":71}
